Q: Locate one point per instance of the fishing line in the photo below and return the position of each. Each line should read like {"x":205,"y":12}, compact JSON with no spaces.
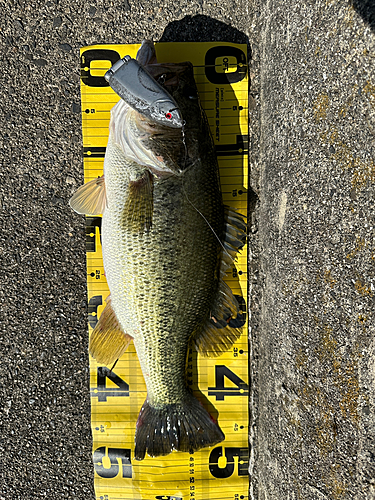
{"x":209,"y":225}
{"x":185,"y":193}
{"x":184,"y":143}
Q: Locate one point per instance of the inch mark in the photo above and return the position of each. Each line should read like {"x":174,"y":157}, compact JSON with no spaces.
{"x":92,"y":223}
{"x":240,"y":148}
{"x":102,"y":392}
{"x":220,"y":391}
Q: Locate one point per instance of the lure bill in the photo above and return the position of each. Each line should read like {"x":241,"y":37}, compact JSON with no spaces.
{"x":133,"y":83}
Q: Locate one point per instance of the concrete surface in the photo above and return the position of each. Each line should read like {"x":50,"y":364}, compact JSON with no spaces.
{"x":313,"y":269}
{"x":312,"y":130}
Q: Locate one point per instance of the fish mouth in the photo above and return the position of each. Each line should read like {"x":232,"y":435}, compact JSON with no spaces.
{"x":155,"y":129}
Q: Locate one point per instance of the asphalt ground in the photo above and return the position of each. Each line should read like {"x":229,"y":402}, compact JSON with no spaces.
{"x":45,"y":443}
{"x":312,"y":127}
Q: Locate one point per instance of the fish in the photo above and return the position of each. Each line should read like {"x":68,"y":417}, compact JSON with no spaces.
{"x":168,"y":242}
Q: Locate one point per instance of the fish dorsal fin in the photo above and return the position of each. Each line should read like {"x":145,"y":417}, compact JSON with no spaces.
{"x":139,"y":205}
{"x":108,"y":341}
{"x":90,"y":199}
{"x":146,"y":53}
{"x":220,"y":330}
{"x":234,"y":238}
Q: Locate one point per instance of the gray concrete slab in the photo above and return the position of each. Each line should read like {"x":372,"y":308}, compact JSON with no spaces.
{"x":313,"y":279}
{"x":45,"y":445}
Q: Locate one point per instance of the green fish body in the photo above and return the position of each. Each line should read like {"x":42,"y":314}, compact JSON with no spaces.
{"x":167,"y":241}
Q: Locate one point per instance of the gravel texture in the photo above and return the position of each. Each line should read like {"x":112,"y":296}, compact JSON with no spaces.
{"x":45,"y":445}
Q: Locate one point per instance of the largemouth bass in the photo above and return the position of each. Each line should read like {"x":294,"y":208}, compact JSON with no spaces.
{"x":167,"y":243}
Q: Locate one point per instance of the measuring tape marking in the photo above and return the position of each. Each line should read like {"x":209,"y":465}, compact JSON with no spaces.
{"x":218,"y":373}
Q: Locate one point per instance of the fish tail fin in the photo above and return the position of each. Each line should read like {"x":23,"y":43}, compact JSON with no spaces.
{"x":184,"y":426}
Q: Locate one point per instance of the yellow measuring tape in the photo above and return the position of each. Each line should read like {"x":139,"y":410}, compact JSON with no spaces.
{"x":220,"y":472}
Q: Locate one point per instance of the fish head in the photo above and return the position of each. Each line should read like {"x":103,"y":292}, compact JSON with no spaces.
{"x":174,"y":148}
{"x":158,"y":147}
{"x":178,"y":80}
{"x":164,"y":150}
{"x":130,"y":80}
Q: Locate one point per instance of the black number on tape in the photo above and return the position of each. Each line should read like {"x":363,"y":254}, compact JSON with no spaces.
{"x":240,"y":320}
{"x":219,"y":56}
{"x":102,"y":392}
{"x":228,"y":467}
{"x":91,"y":224}
{"x":241,"y":147}
{"x":88,"y":59}
{"x":94,"y":303}
{"x":114,"y":454}
{"x":220,"y":391}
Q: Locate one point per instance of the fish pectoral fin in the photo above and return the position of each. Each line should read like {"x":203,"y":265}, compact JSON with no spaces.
{"x":90,"y":199}
{"x":224,"y":325}
{"x":139,"y":206}
{"x":108,"y":341}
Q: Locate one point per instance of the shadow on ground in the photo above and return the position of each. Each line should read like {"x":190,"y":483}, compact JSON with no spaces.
{"x":366,"y":9}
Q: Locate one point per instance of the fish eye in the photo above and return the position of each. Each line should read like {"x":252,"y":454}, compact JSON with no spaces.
{"x":162,"y":78}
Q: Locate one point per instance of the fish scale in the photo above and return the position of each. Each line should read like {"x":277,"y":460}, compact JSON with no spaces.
{"x":180,"y":253}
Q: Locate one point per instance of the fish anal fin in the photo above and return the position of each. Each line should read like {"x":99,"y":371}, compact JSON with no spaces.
{"x":108,"y":341}
{"x":218,"y":334}
{"x":90,"y":199}
{"x":139,"y":206}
